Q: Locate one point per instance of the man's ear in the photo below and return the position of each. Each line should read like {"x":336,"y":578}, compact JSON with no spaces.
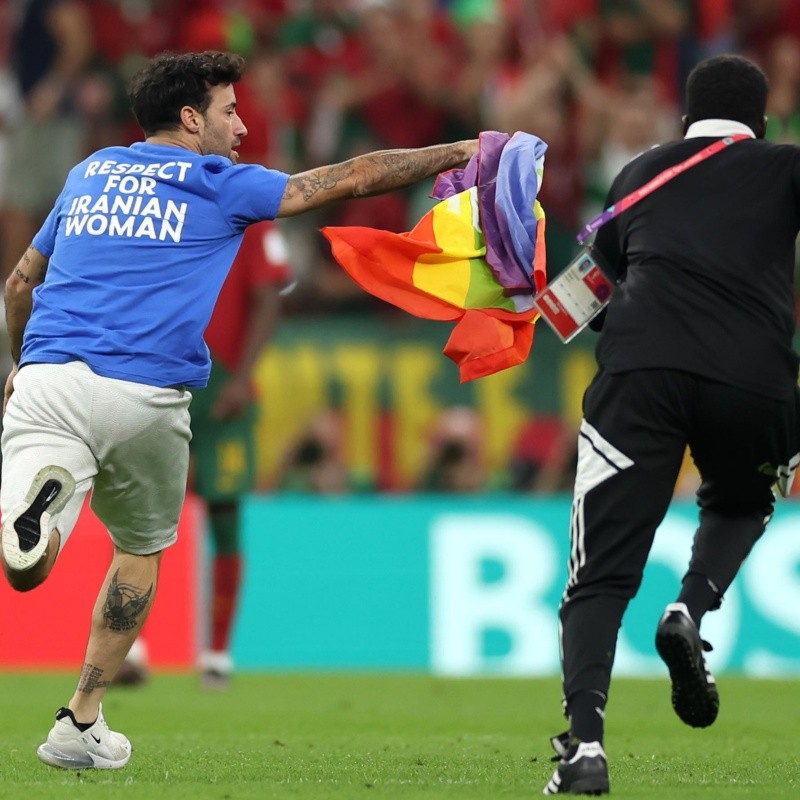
{"x":190,"y":118}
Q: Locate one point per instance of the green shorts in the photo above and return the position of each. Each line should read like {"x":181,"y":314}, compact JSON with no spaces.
{"x":224,"y":452}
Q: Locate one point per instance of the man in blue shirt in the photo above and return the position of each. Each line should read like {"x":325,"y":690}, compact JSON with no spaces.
{"x":106,"y":312}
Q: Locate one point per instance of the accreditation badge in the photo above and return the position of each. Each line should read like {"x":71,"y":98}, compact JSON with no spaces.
{"x":578,"y":294}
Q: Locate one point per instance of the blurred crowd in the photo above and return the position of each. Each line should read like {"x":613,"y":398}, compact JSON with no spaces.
{"x":598,"y":80}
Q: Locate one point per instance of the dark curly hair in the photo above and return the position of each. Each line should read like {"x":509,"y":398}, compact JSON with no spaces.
{"x":727,"y":87}
{"x":170,"y":81}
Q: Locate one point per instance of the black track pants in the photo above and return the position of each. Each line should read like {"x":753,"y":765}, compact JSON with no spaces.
{"x":632,"y":440}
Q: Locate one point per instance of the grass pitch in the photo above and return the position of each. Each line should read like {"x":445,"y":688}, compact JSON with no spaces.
{"x":367,"y":736}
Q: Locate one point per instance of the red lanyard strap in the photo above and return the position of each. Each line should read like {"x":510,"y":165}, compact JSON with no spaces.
{"x":657,"y":182}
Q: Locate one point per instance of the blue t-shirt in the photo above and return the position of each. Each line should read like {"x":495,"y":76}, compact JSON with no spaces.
{"x":140,"y":242}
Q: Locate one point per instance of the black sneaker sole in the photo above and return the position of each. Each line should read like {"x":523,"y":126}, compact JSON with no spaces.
{"x":589,"y":786}
{"x":696,"y":702}
{"x":587,"y":776}
{"x":26,"y":532}
{"x":27,"y":524}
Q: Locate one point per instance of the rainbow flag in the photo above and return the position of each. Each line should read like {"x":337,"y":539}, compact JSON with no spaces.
{"x":476,"y":258}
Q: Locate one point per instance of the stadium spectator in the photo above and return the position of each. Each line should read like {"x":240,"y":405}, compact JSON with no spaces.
{"x":555,"y":96}
{"x":757,"y":24}
{"x":713,"y":27}
{"x":484,"y":60}
{"x":318,"y":47}
{"x":544,"y":457}
{"x":633,"y":118}
{"x":126,"y":270}
{"x":643,"y":39}
{"x":51,"y":48}
{"x":314,"y":464}
{"x":455,"y":460}
{"x":266,"y":98}
{"x":322,"y":25}
{"x":783,"y":106}
{"x":399,"y":60}
{"x":696,"y":344}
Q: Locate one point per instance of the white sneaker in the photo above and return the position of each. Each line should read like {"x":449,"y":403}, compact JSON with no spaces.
{"x":95,"y":748}
{"x":216,"y":669}
{"x":27,"y":530}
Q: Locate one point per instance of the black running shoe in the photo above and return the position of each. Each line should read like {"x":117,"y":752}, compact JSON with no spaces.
{"x":583,"y":772}
{"x":26,"y":532}
{"x":694,"y":690}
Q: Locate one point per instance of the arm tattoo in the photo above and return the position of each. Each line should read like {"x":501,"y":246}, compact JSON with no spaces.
{"x":309,"y":183}
{"x":91,"y":679}
{"x":26,"y":260}
{"x":125,"y":604}
{"x":390,"y":169}
{"x":373,"y":173}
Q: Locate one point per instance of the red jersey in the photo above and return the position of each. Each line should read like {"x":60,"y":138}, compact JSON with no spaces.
{"x":261,"y":260}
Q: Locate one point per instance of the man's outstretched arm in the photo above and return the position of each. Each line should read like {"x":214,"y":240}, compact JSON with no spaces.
{"x":370,"y":174}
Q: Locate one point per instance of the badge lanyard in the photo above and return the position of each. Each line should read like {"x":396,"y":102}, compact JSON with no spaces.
{"x":656,"y":183}
{"x":572,"y":299}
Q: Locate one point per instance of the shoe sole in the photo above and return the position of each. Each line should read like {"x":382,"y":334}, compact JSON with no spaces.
{"x":696,"y":702}
{"x":582,"y":787}
{"x":55,"y":758}
{"x":591,"y":787}
{"x":587,"y":775}
{"x":26,"y":532}
{"x":594,"y":785}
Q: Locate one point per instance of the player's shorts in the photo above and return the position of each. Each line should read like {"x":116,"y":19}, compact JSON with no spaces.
{"x":128,"y":442}
{"x":224,"y":451}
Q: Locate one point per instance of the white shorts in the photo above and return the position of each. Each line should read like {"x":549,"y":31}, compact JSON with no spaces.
{"x":127,"y":441}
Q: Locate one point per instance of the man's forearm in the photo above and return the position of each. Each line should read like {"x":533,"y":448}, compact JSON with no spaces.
{"x":27,"y":275}
{"x":393,"y":169}
{"x":18,"y":312}
{"x":371,"y":174}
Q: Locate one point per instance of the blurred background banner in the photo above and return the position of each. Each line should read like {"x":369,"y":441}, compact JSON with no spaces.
{"x":471,"y":586}
{"x":460,"y":586}
{"x":48,"y":628}
{"x":389,"y":384}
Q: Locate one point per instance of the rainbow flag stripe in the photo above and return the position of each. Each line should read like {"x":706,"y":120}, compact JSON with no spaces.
{"x":440,"y":270}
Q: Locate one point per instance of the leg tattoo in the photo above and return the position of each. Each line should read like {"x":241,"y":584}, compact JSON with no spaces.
{"x":91,"y":679}
{"x":124,"y":604}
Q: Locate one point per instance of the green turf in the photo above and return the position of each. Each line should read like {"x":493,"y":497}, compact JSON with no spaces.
{"x":367,"y":736}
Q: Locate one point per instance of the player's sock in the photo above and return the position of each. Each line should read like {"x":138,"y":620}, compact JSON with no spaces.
{"x":721,"y":544}
{"x":699,"y":595}
{"x":226,"y":577}
{"x":589,"y":629}
{"x":586,"y":712}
